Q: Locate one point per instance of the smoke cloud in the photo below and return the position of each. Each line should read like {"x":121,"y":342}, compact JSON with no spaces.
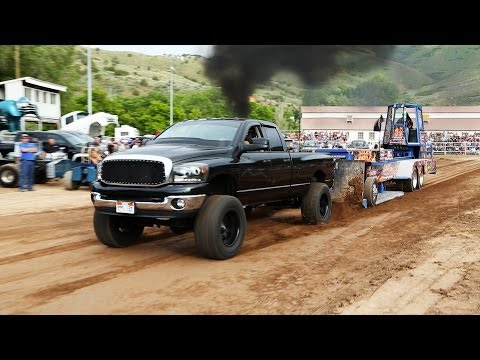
{"x":239,"y":69}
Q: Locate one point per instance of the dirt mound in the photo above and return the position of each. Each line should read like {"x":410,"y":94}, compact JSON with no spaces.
{"x":342,"y":211}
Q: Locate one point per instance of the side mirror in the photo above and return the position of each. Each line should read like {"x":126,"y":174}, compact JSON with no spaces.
{"x":257,"y":144}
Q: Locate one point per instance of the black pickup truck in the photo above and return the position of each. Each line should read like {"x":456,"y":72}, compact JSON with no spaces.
{"x":207,"y":175}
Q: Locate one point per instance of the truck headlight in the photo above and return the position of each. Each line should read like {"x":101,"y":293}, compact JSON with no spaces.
{"x":190,"y":172}
{"x":99,"y":171}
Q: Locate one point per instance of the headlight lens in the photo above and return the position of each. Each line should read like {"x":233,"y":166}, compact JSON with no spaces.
{"x":99,"y":171}
{"x":190,"y":172}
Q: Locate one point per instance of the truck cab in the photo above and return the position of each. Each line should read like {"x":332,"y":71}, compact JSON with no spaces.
{"x":404,"y":130}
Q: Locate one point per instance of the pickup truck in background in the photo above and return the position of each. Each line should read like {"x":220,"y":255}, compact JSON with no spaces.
{"x":69,"y":142}
{"x":207,"y":175}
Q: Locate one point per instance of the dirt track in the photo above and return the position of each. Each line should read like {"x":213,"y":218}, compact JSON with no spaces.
{"x":418,"y":254}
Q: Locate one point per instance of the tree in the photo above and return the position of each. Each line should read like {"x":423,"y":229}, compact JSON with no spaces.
{"x":53,"y":63}
{"x":375,"y":92}
{"x":262,"y":112}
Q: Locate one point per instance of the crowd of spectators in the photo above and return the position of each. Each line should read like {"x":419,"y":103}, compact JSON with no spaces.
{"x":342,"y":136}
{"x":450,"y":136}
{"x":466,"y":142}
{"x":102,"y":147}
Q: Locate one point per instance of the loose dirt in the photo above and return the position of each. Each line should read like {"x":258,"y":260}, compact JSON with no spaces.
{"x":417,"y":254}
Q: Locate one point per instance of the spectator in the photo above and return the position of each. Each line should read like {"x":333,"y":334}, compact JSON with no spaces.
{"x":112,"y":146}
{"x":378,"y":124}
{"x":136,"y":144}
{"x":95,"y":154}
{"x":50,"y":148}
{"x":122,"y":145}
{"x":27,"y":163}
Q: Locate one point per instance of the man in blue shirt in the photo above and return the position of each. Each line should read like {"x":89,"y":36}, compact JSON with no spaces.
{"x":27,"y":163}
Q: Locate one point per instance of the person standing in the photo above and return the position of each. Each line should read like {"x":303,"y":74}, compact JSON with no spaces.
{"x":95,"y":151}
{"x":28,"y":151}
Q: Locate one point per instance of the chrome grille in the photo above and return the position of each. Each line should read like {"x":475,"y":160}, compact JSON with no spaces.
{"x":133,"y":172}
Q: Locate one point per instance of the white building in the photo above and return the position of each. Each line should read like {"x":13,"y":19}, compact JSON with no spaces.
{"x":44,"y":94}
{"x":126,"y":131}
{"x":358,"y":121}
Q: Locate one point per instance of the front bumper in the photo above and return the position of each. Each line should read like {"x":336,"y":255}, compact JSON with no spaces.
{"x":164,"y":210}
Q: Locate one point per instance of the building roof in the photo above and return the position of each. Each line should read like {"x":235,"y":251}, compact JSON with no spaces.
{"x":33,"y":81}
{"x":383,"y":109}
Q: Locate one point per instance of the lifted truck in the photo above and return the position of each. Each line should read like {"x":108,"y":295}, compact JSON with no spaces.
{"x":202,"y":175}
{"x":397,"y":166}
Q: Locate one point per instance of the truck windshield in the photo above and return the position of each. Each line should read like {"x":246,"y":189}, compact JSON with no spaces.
{"x":223,"y":132}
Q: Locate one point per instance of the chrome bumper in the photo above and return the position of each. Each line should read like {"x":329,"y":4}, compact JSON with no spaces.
{"x":192,"y":202}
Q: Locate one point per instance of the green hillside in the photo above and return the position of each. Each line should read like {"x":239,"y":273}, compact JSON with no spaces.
{"x":428,"y":74}
{"x":129,"y":73}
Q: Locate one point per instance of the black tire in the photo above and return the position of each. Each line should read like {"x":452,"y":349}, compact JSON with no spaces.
{"x":421,"y":177}
{"x":410,"y":185}
{"x":116,"y":231}
{"x":68,"y":183}
{"x":248,"y":210}
{"x":220,"y":227}
{"x":317,"y":204}
{"x":9,"y":175}
{"x":370,"y":190}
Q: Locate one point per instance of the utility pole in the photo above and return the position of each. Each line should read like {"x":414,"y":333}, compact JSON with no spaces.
{"x":16,"y":54}
{"x":89,"y":80}
{"x":171,"y":95}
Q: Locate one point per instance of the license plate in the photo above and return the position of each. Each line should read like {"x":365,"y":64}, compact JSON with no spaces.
{"x":125,"y":207}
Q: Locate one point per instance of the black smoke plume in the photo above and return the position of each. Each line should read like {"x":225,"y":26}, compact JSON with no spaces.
{"x":239,"y":69}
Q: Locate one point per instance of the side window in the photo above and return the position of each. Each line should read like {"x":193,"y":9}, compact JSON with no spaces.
{"x":42,"y":137}
{"x":274,"y":137}
{"x":60,"y":140}
{"x":252,"y":133}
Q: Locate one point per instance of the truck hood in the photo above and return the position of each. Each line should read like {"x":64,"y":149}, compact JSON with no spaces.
{"x":175,"y":152}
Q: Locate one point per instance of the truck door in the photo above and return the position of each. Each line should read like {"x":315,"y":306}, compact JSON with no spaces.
{"x":281,"y":163}
{"x":254,"y":177}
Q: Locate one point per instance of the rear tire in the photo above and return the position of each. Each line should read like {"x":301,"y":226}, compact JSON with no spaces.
{"x":116,"y":231}
{"x":220,"y":227}
{"x":370,"y":190}
{"x":421,"y":177}
{"x":317,"y":204}
{"x":9,"y":175}
{"x":410,"y":185}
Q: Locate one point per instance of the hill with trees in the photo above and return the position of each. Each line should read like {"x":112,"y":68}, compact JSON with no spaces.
{"x":136,"y":86}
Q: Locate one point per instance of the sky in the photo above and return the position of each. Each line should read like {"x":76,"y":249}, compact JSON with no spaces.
{"x":203,"y":50}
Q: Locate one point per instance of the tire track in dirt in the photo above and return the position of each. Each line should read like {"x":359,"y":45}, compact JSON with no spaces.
{"x":401,"y":253}
{"x":450,"y":257}
{"x":446,"y":175}
{"x":43,"y":296}
{"x":44,"y":252}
